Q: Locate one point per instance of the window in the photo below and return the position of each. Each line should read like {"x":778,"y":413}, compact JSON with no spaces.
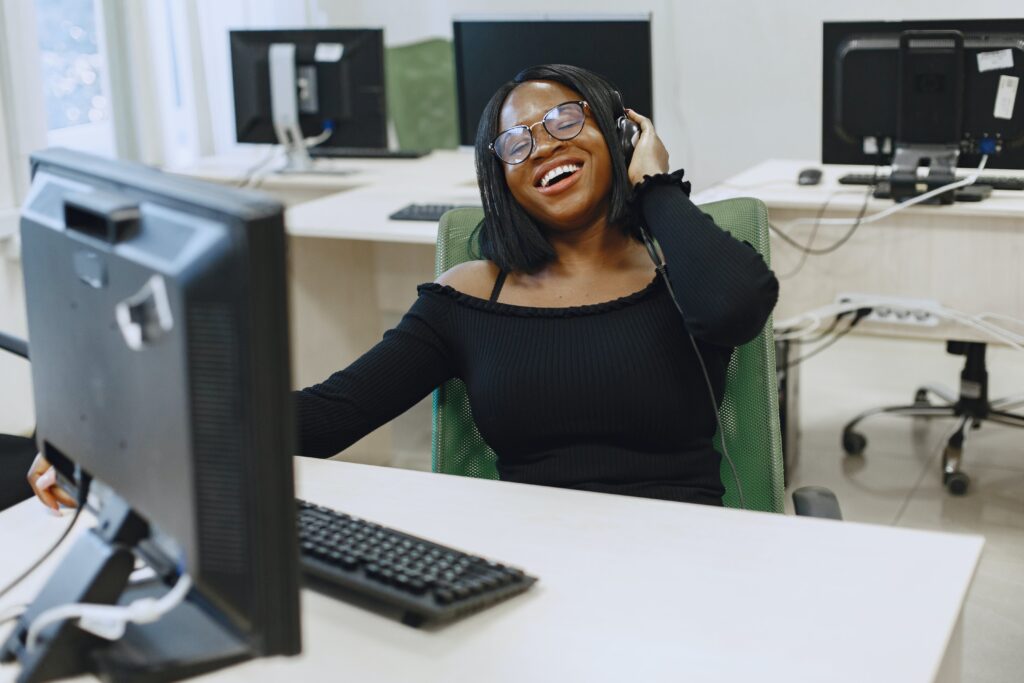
{"x":75,"y":77}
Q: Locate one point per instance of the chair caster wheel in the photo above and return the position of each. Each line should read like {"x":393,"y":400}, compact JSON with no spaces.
{"x":957,"y":483}
{"x":854,"y":443}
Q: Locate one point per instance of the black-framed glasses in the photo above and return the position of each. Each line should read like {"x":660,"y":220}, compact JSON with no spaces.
{"x":562,"y":122}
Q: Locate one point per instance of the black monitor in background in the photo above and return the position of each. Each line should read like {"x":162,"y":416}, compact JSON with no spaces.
{"x":923,"y":83}
{"x":158,"y":332}
{"x":488,"y":53}
{"x":337,"y":78}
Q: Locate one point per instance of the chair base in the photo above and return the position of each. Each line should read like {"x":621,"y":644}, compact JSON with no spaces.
{"x":971,"y":407}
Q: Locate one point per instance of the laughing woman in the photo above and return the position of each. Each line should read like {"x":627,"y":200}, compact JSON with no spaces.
{"x":579,"y":368}
{"x":577,"y":364}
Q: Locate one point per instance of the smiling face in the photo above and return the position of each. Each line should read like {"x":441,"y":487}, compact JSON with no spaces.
{"x":564,"y":184}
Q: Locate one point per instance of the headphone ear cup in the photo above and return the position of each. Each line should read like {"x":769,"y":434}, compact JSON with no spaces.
{"x":629,"y":133}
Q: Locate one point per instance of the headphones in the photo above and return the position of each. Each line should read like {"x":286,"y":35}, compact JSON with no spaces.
{"x":629,"y":132}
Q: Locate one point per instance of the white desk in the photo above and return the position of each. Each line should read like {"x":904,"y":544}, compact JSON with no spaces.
{"x":629,"y":590}
{"x":363,"y":214}
{"x":333,"y":175}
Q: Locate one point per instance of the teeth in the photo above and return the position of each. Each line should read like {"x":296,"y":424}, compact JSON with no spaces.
{"x":555,"y":172}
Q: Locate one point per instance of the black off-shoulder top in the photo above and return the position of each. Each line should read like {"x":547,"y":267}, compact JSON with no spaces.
{"x":603,"y":397}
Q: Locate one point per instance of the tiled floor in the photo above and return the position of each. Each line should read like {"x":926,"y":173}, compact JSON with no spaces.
{"x":898,"y":480}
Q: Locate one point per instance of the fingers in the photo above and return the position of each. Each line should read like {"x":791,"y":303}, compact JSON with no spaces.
{"x":48,"y":482}
{"x":40,"y":486}
{"x":650,"y":156}
{"x":47,"y":479}
{"x":645,"y":123}
{"x":63,"y":497}
{"x":43,"y":480}
{"x":47,"y":499}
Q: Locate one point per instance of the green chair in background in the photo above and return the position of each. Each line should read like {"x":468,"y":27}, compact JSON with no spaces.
{"x":749,"y":413}
{"x":421,"y":94}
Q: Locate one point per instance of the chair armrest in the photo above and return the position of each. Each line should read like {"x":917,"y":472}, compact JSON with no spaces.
{"x":816,"y":501}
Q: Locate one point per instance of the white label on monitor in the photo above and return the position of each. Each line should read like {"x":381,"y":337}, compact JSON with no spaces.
{"x":1006,"y":96}
{"x":331,"y":52}
{"x":992,"y":61}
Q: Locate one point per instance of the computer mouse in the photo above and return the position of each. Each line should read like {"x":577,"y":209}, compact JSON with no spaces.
{"x":809,"y":176}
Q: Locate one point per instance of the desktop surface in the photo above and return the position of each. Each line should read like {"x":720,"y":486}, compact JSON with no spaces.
{"x":631,"y":589}
{"x":258,"y":164}
{"x":774,"y":182}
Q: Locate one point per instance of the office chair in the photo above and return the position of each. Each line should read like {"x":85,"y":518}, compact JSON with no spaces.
{"x":971,"y":407}
{"x":421,"y":94}
{"x":749,"y":413}
{"x":16,"y":452}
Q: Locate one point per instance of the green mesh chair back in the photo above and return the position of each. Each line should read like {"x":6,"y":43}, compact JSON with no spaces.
{"x":749,"y":413}
{"x":421,"y":94}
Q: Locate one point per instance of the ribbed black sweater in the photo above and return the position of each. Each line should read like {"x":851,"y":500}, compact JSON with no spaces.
{"x":604,"y":397}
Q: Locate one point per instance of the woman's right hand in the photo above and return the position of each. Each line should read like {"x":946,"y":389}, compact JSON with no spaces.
{"x":43,"y":480}
{"x":650,"y":157}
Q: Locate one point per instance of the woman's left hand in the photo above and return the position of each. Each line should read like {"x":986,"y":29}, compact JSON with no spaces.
{"x":650,"y":156}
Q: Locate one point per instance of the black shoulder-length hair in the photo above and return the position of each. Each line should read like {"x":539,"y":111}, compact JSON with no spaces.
{"x":509,"y":236}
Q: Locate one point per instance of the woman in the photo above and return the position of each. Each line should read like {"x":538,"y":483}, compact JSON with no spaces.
{"x":578,"y":367}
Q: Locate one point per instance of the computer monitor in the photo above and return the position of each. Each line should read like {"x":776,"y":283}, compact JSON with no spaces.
{"x":304,"y":83}
{"x":885,"y":83}
{"x":158,"y":333}
{"x":490,"y":52}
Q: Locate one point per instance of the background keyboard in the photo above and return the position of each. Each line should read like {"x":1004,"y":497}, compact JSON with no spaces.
{"x":425,"y":212}
{"x":320,"y":152}
{"x":427,"y":581}
{"x":995,"y":182}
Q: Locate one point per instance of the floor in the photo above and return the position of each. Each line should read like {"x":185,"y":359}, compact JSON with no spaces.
{"x":898,"y":479}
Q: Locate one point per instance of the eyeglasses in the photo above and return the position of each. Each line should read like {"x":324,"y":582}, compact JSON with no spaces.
{"x":562,"y":122}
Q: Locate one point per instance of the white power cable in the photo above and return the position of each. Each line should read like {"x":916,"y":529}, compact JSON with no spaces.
{"x":109,"y":621}
{"x":250,"y":177}
{"x":317,"y":139}
{"x":810,"y":322}
{"x":871,"y":218}
{"x":1005,"y":336}
{"x":1001,"y":316}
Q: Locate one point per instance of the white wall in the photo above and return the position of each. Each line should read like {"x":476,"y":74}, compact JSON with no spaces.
{"x":20,"y":133}
{"x":735,"y":81}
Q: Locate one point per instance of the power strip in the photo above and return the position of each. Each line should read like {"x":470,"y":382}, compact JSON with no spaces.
{"x":894,"y":310}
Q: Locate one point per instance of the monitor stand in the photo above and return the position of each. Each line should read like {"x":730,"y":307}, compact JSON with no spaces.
{"x":284,"y":108}
{"x":940,"y":160}
{"x":187,"y":641}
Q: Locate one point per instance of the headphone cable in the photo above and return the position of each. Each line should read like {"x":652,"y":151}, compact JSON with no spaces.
{"x":661,"y":267}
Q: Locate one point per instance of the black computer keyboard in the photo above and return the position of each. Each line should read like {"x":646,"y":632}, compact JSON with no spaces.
{"x":425,"y":212}
{"x":995,"y":182}
{"x":320,"y":152}
{"x":427,"y":581}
